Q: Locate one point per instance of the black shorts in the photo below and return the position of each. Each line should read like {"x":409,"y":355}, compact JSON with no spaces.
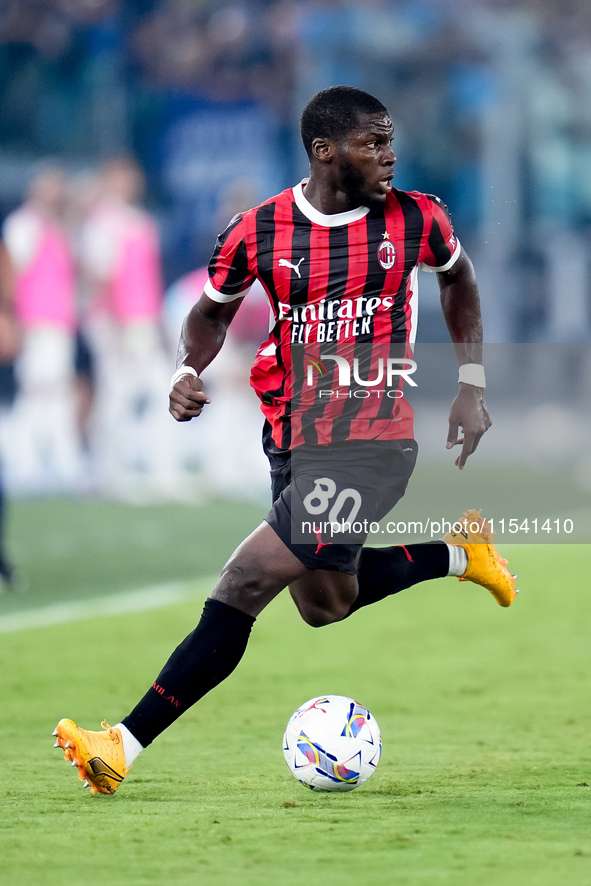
{"x":326,"y":497}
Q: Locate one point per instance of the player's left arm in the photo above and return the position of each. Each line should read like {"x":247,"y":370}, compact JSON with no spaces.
{"x":460,"y":303}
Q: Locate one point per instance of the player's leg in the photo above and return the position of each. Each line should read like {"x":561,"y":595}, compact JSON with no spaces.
{"x":378,"y":479}
{"x":466,"y":551}
{"x":258,"y":570}
{"x":365,"y":479}
{"x":383,"y":572}
{"x":324,"y":596}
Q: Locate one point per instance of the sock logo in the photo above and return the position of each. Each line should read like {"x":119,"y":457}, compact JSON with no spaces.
{"x":161,"y":691}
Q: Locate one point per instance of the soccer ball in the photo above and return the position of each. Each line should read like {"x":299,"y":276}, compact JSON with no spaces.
{"x":332,"y":743}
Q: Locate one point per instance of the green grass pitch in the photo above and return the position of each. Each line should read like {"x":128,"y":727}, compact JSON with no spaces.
{"x":484,"y":713}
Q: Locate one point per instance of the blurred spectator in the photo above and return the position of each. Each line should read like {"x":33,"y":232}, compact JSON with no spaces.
{"x":10,"y":339}
{"x":43,"y":451}
{"x":85,"y":189}
{"x":9,"y":347}
{"x":120,"y":258}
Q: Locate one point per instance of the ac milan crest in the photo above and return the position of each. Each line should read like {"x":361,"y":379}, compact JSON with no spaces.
{"x":386,"y":252}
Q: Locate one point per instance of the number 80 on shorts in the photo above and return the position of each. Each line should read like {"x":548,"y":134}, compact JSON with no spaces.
{"x":321,"y":499}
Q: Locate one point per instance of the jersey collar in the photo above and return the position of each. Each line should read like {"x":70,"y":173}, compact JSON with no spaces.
{"x":319,"y":218}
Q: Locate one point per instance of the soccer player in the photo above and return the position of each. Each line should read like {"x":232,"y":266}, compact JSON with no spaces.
{"x":338,"y":256}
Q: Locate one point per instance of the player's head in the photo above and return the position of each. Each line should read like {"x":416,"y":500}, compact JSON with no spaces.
{"x":334,"y":112}
{"x":347,"y":133}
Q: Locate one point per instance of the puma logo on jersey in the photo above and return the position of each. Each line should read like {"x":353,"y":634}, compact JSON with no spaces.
{"x":284,"y":263}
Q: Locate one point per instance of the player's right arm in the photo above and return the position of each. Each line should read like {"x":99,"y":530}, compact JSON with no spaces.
{"x":205,"y":327}
{"x":202,"y":336}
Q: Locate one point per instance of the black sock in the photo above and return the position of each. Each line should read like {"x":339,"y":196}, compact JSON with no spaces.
{"x":385,"y":571}
{"x":203,"y":660}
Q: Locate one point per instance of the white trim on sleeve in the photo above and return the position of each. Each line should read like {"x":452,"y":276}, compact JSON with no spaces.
{"x":220,"y":297}
{"x":446,"y":266}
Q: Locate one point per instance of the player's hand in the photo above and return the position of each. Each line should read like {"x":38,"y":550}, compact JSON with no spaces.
{"x":187,"y":398}
{"x":468,"y":411}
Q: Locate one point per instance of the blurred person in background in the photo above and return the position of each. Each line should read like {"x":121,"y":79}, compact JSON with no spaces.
{"x":9,"y":347}
{"x":42,"y":450}
{"x":119,"y":248}
{"x":84,"y":192}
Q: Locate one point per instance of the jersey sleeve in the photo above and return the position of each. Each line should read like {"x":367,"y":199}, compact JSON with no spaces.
{"x":229,"y":274}
{"x":442,"y":248}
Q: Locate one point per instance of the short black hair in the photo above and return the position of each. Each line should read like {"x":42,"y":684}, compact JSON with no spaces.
{"x":334,"y":113}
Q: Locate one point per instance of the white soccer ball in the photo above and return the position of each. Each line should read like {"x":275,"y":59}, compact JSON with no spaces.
{"x":332,"y":743}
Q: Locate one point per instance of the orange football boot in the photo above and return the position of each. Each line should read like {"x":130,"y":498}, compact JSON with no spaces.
{"x":99,"y":756}
{"x":486,"y":567}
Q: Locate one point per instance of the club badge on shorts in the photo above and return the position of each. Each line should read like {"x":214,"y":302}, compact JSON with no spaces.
{"x":386,"y":252}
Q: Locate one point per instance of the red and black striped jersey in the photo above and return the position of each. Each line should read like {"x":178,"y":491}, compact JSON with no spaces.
{"x":339,"y":286}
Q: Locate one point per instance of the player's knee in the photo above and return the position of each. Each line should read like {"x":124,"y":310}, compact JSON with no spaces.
{"x":320,"y":616}
{"x":246,"y":583}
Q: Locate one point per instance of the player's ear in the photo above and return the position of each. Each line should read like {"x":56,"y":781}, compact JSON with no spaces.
{"x":323,"y":149}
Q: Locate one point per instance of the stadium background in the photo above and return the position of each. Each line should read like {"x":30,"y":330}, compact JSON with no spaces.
{"x":485,"y":97}
{"x":491,"y":103}
{"x":492,"y":111}
{"x":485,"y":774}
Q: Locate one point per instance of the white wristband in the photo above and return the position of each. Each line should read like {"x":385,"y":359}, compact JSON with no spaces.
{"x":182,"y":370}
{"x":472,"y":374}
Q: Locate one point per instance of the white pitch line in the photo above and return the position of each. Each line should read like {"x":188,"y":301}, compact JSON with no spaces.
{"x":155,"y":597}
